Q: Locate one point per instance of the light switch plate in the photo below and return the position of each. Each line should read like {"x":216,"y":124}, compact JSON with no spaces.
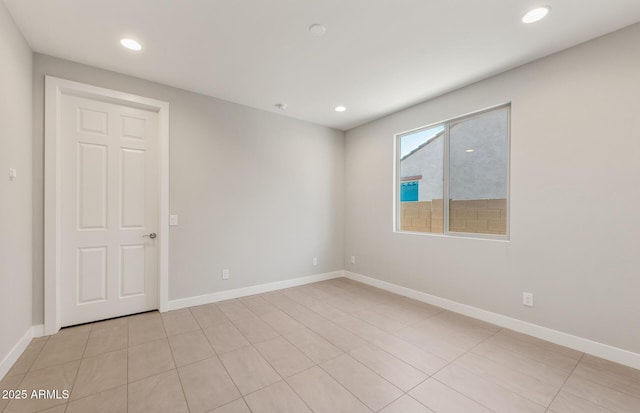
{"x":13,"y":174}
{"x":173,"y":220}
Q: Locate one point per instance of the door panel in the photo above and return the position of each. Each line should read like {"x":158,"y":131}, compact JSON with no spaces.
{"x":92,"y":121}
{"x":132,"y":188}
{"x":132,"y":259}
{"x":110,"y":174}
{"x":133,"y":128}
{"x":92,"y":186}
{"x":92,"y":275}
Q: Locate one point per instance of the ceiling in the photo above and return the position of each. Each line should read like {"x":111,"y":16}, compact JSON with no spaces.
{"x":377,"y":56}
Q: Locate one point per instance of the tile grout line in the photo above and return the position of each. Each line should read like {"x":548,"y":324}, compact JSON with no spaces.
{"x":75,"y":379}
{"x":283,"y":379}
{"x":35,"y":358}
{"x":531,"y":359}
{"x":343,"y":386}
{"x":497,"y":384}
{"x":525,"y":356}
{"x":597,"y":384}
{"x":84,"y":350}
{"x":296,"y":393}
{"x":368,"y":342}
{"x":464,"y":353}
{"x":406,"y":362}
{"x":606,"y":386}
{"x":316,"y":364}
{"x":308,"y":308}
{"x":173,"y":357}
{"x":227,"y":371}
{"x":309,"y":357}
{"x":30,"y":370}
{"x":455,"y":359}
{"x":465,"y":396}
{"x":126,"y":373}
{"x":565,"y":381}
{"x":445,"y":366}
{"x":385,"y":379}
{"x":391,"y":402}
{"x":493,"y":382}
{"x":25,"y":374}
{"x":420,"y":403}
{"x":294,"y":390}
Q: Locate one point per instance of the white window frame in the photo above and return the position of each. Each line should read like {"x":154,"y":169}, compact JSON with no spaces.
{"x":446,"y":161}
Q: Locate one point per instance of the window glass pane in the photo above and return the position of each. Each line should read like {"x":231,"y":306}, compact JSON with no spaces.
{"x":421,"y":173}
{"x":478,"y":168}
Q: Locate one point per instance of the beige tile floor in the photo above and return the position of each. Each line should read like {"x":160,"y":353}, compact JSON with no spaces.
{"x":334,"y":346}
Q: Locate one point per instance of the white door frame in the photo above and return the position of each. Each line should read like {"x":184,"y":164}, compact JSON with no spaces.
{"x":54,"y":89}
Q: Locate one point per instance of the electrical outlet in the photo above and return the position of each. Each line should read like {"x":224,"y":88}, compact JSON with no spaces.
{"x":527,"y":299}
{"x":315,"y":261}
{"x":353,"y":259}
{"x":225,"y":274}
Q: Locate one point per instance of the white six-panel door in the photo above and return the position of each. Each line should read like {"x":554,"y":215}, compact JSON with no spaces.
{"x":109,"y":178}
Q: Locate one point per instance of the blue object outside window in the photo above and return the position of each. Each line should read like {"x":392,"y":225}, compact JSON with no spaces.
{"x":409,"y":191}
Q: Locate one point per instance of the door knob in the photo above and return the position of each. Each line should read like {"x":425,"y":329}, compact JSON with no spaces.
{"x":152,"y":235}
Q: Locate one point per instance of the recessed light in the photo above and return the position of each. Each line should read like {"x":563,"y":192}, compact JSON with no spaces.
{"x":317,"y":29}
{"x":536,"y":14}
{"x":470,"y":150}
{"x":281,"y":106}
{"x":340,"y":109}
{"x":131,"y":44}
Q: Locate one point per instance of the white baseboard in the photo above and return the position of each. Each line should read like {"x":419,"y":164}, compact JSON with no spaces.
{"x":254,"y":289}
{"x":37,"y":330}
{"x":9,"y":360}
{"x":584,"y":345}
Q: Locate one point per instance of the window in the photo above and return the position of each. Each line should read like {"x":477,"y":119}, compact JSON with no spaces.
{"x":453,"y":178}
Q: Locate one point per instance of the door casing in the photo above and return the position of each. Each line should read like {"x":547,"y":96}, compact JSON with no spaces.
{"x":54,"y":89}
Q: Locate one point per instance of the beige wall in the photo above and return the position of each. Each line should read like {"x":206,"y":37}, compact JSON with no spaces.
{"x":574,"y":197}
{"x":244,"y":183}
{"x":15,"y":196}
